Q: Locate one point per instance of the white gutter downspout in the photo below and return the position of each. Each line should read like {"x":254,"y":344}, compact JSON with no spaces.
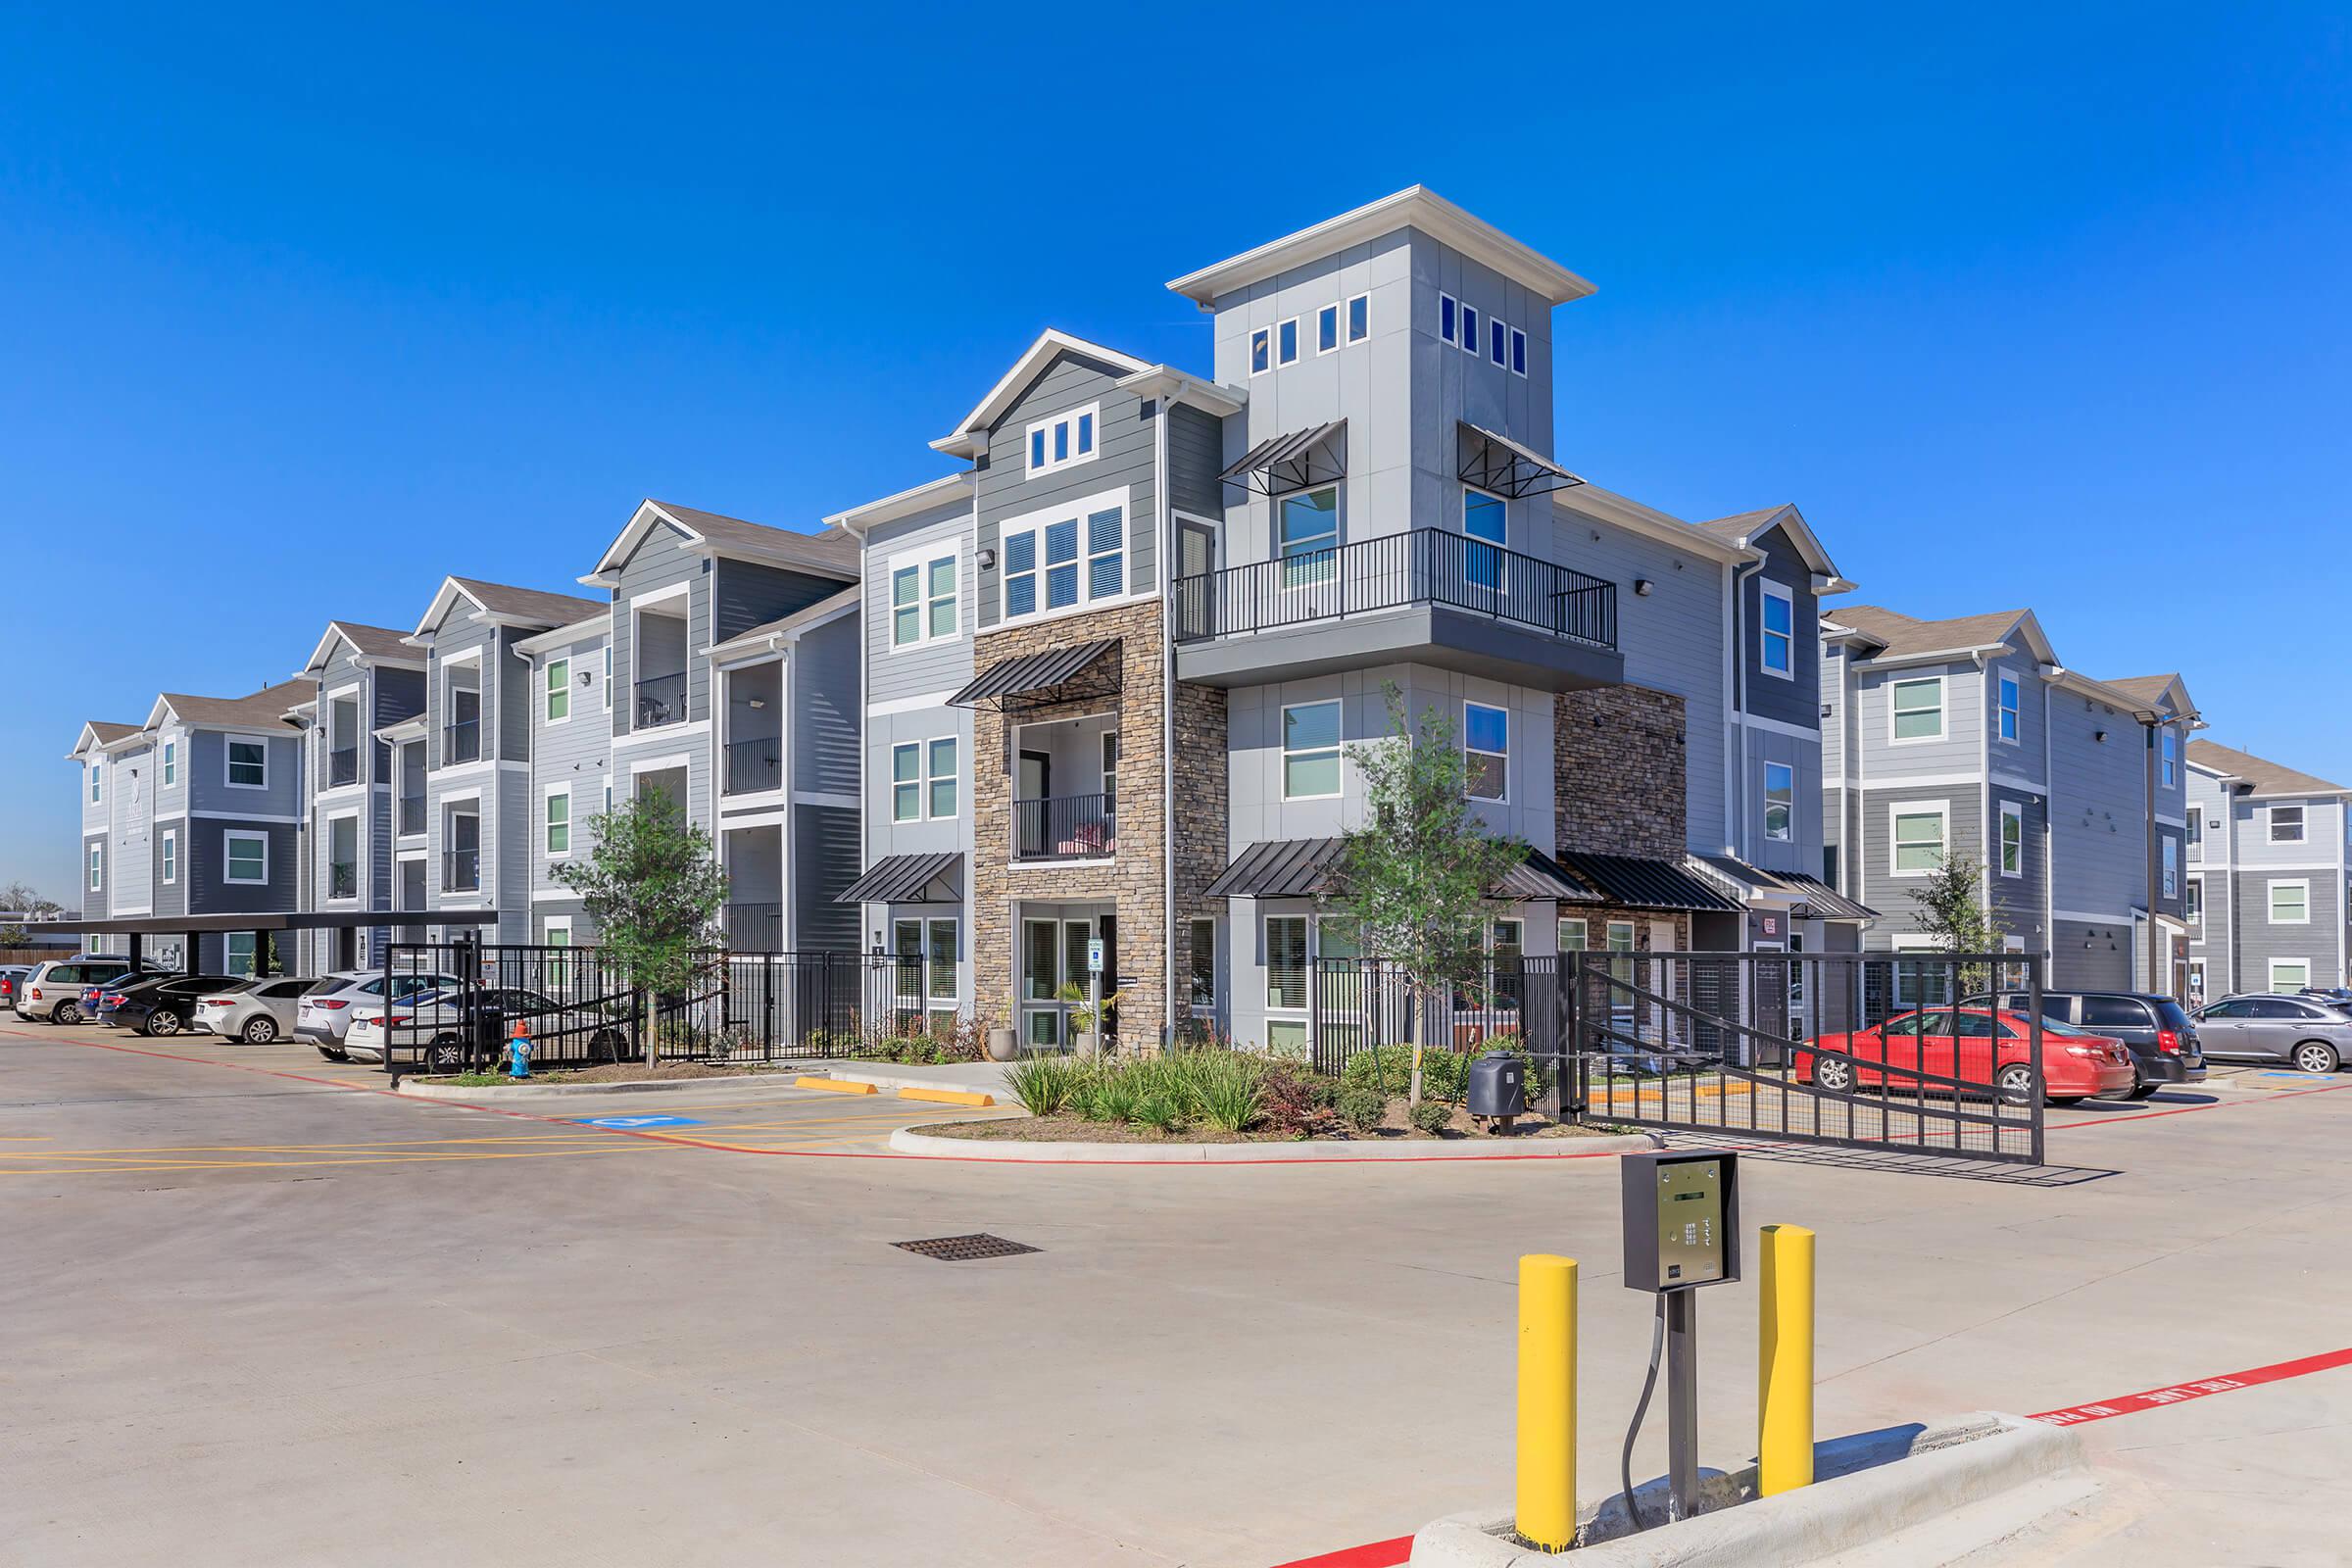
{"x":531,"y":788}
{"x":1168,"y":564}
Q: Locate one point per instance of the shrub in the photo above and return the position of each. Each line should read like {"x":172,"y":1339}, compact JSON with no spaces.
{"x":1445,"y":1073}
{"x":1433,"y":1116}
{"x":1116,"y":1094}
{"x":1231,"y":1086}
{"x":1363,"y":1108}
{"x":1297,"y":1102}
{"x":1157,"y":1111}
{"x":1044,"y":1085}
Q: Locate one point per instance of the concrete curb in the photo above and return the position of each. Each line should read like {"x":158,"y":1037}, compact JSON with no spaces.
{"x":514,"y":1091}
{"x":907,"y":1141}
{"x":1842,"y":1514}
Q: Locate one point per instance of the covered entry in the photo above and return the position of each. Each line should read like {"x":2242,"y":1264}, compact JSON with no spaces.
{"x":1050,"y":965}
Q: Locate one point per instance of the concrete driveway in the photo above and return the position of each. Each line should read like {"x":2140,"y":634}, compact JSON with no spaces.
{"x":261,"y":1319}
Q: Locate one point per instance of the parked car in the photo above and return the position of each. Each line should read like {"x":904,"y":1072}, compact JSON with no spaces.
{"x":2157,"y":1030}
{"x":443,"y":1020}
{"x":159,"y":1004}
{"x":1977,"y":1047}
{"x":256,"y":1014}
{"x":54,"y":990}
{"x":12,"y":978}
{"x":324,"y":1015}
{"x":2310,"y":1035}
{"x":2327,"y":995}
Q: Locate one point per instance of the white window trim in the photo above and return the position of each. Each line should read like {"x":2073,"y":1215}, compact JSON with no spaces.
{"x":229,"y":836}
{"x":1944,"y":710}
{"x":893,"y":783}
{"x":930,"y":778}
{"x":1262,"y":335}
{"x":1447,"y":334}
{"x":1895,"y":809}
{"x":1519,"y":355}
{"x":1037,"y":523}
{"x":97,"y":782}
{"x":2193,"y":909}
{"x":2303,"y":964}
{"x":922,"y":558}
{"x":1307,"y":955}
{"x":1468,"y":336}
{"x":549,"y":686}
{"x":550,"y":924}
{"x":1348,"y":318}
{"x":1297,"y":342}
{"x":608,"y":674}
{"x":227,"y":750}
{"x":2270,"y":824}
{"x":2269,"y":899}
{"x":2168,"y":866}
{"x":170,"y":760}
{"x":2011,"y":811}
{"x":1338,"y":328}
{"x":326,"y":843}
{"x":1070,"y":418}
{"x":2004,"y":686}
{"x":571,"y":813}
{"x":1770,"y":836}
{"x":94,"y":868}
{"x":1282,"y":728}
{"x":169,"y":854}
{"x":1499,"y":343}
{"x":1468,"y":750}
{"x":2167,"y":759}
{"x":1766,"y":590}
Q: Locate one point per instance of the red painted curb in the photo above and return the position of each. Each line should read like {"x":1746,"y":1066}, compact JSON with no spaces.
{"x":2178,"y":1393}
{"x":1372,"y":1554}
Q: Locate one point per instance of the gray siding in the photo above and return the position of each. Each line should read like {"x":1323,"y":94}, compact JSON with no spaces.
{"x":569,"y":757}
{"x":826,"y":709}
{"x":2099,"y":805}
{"x":1790,"y":701}
{"x":98,"y":900}
{"x":931,"y":667}
{"x":1801,"y":849}
{"x":2091,"y":955}
{"x":208,"y":890}
{"x":2019,"y":901}
{"x":210,"y":793}
{"x":745,"y":594}
{"x":661,"y":560}
{"x":1891,"y":895}
{"x":824,"y":863}
{"x":1196,"y":456}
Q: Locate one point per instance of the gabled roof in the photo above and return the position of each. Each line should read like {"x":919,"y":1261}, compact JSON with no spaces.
{"x":1591,"y":502}
{"x":855,"y":520}
{"x":1743,"y":528}
{"x":97,"y":734}
{"x":498,"y":601}
{"x":786,"y":627}
{"x":263,"y":710}
{"x":1414,"y":206}
{"x":2158,"y":691}
{"x":2266,"y":777}
{"x":969,"y":438}
{"x":1901,"y":636}
{"x":832,"y":551}
{"x":369,"y":642}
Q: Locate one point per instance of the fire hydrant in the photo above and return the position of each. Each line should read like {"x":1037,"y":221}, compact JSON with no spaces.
{"x":518,"y":1051}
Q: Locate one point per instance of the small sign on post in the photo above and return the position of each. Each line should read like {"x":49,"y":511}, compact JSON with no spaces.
{"x":1094,"y":954}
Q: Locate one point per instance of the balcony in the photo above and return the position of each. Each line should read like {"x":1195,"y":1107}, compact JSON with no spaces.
{"x":460,"y":870}
{"x":342,"y":766}
{"x":1428,"y":595}
{"x":753,"y":766}
{"x":1065,"y":827}
{"x":661,"y":701}
{"x":753,"y":927}
{"x":412,"y":814}
{"x":462,"y":742}
{"x":342,"y":880}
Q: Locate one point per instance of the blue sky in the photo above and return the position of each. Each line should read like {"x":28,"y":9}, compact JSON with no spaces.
{"x":303,"y":310}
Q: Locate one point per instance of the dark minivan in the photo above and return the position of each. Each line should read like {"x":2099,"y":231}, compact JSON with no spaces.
{"x":2163,"y":1042}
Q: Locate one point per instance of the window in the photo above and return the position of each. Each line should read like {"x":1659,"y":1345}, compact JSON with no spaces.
{"x":1778,"y":631}
{"x":1061,"y":562}
{"x":1572,"y":934}
{"x":239,"y":945}
{"x":1498,"y":341}
{"x":1359,"y":318}
{"x":907,"y":782}
{"x":557,"y":934}
{"x":2013,"y":839}
{"x":1204,"y":963}
{"x":1286,"y":342}
{"x":2290,"y":901}
{"x":97,"y":783}
{"x":1484,"y":519}
{"x":247,"y":855}
{"x":1286,"y":961}
{"x":1621,"y":941}
{"x":2171,"y":866}
{"x":922,"y":599}
{"x":2170,"y":745}
{"x":926,"y":952}
{"x":1327,"y":329}
{"x":1063,"y":441}
{"x":1469,"y":330}
{"x":559,"y":825}
{"x":1518,"y":351}
{"x":2286,"y":824}
{"x":1486,"y":751}
{"x":1310,"y":751}
{"x":1110,"y":771}
{"x":1780,"y":801}
{"x":1919,"y":982}
{"x":170,"y":855}
{"x":1918,"y":706}
{"x":248,"y":764}
{"x":2008,"y":706}
{"x":97,"y":868}
{"x":1919,"y":838}
{"x":608,"y":678}
{"x":2192,"y":904}
{"x":170,"y":764}
{"x":1446,"y":309}
{"x":559,"y":690}
{"x":2289,"y":974}
{"x":2196,"y":833}
{"x":1308,"y":523}
{"x":943,"y":775}
{"x":1262,"y":351}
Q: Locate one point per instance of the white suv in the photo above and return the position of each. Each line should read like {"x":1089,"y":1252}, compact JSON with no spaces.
{"x":53,"y":991}
{"x":324,"y":1017}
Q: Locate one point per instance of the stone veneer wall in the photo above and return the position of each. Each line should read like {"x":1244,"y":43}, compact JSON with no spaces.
{"x":1204,"y":831}
{"x":1134,"y":881}
{"x":1620,"y":776}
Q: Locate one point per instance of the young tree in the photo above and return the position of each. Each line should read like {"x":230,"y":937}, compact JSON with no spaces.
{"x":1951,"y":914}
{"x":653,"y":886}
{"x":1416,"y":874}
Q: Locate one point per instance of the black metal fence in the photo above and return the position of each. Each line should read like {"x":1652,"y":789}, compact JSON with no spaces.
{"x":660,"y":700}
{"x":1418,"y":566}
{"x":753,"y":766}
{"x":1504,"y":1003}
{"x":1064,"y":828}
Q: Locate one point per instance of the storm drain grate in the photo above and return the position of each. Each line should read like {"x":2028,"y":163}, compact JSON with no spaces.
{"x":964,"y":1249}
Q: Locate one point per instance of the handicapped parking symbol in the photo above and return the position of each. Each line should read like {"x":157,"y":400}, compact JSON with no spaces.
{"x":629,"y":1124}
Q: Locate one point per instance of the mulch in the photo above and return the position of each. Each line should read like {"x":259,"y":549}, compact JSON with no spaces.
{"x":1076,"y":1130}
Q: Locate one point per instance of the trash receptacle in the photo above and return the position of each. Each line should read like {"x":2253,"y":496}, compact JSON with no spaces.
{"x":1497,"y":1085}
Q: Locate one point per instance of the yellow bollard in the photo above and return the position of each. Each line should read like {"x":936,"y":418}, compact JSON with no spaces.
{"x":1785,"y":1362}
{"x":1547,"y":1500}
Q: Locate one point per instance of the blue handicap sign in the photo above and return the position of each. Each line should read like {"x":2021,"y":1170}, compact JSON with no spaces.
{"x":629,"y":1124}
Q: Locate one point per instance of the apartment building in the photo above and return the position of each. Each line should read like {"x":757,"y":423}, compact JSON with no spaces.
{"x":1969,"y":736}
{"x":1114,"y":666}
{"x":2268,"y":876}
{"x":364,"y":681}
{"x":198,"y":811}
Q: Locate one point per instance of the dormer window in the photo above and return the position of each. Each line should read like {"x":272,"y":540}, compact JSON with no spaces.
{"x":1065,"y":440}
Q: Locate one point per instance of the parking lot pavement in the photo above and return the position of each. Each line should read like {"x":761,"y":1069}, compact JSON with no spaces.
{"x":342,"y":1335}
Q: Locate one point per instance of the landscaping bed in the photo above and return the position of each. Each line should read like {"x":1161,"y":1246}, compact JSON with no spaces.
{"x":1394,"y":1128}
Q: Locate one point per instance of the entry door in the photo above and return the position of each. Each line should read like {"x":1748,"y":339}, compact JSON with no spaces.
{"x":1032,"y":818}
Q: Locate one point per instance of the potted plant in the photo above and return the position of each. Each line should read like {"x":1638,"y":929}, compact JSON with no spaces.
{"x":1086,"y":1019}
{"x":1003,"y":1044}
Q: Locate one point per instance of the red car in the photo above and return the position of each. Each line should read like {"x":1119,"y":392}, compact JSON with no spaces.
{"x":1978,"y":1047}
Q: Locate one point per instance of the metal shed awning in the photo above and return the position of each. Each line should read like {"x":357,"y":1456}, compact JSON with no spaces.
{"x":1745,"y":881}
{"x":1823,"y":902}
{"x":1044,"y":677}
{"x":909,"y":879}
{"x":1639,"y":883}
{"x":1293,"y":462}
{"x":1508,"y":467}
{"x":1303,"y":869}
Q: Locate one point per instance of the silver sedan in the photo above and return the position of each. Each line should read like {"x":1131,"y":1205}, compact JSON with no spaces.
{"x":2307,"y":1034}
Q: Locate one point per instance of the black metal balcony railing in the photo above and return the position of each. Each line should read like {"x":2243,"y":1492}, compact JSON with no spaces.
{"x":754,"y":765}
{"x":412,"y":813}
{"x":1421,"y":567}
{"x":342,"y":766}
{"x":460,"y":870}
{"x":462,"y":742}
{"x":754,"y":927}
{"x":343,"y":880}
{"x":661,"y":701}
{"x":1064,"y":828}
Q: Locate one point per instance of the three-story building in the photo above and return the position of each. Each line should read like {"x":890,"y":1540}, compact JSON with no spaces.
{"x":2268,"y":876}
